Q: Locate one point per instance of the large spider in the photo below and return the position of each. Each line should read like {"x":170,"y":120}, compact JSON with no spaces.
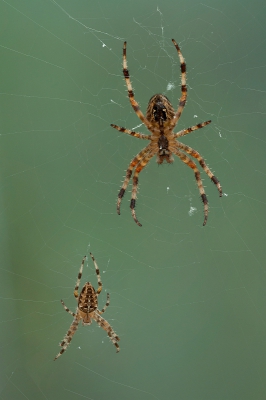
{"x":87,"y":309}
{"x":160,"y":120}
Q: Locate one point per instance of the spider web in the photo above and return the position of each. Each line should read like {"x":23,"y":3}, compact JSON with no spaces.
{"x":187,"y":301}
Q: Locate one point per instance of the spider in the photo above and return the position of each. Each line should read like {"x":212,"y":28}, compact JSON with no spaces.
{"x":87,"y":309}
{"x":161,"y":119}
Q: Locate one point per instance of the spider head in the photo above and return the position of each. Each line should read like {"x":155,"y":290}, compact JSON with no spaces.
{"x":86,"y":320}
{"x":160,"y":111}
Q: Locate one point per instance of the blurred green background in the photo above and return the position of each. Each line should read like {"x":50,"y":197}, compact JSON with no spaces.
{"x":187,"y":301}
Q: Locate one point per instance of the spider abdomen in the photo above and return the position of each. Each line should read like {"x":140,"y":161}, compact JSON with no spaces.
{"x":88,"y":301}
{"x":160,"y":111}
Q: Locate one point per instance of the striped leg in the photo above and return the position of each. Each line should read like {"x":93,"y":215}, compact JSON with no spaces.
{"x":138,"y":169}
{"x":131,"y":166}
{"x":183,"y":157}
{"x":131,"y":133}
{"x":130,"y":90}
{"x":76,"y":293}
{"x":191,"y":129}
{"x":107,"y":327}
{"x":183,"y":98}
{"x":106,"y":305}
{"x":100,"y":285}
{"x":202,"y":163}
{"x":68,"y":337}
{"x":67,"y":309}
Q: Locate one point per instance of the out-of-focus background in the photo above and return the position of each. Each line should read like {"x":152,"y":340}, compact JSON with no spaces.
{"x":187,"y":301}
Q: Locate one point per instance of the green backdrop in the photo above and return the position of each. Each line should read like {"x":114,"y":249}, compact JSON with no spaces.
{"x":187,"y":301}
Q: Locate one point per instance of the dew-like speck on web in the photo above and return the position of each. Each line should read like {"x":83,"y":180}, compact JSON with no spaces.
{"x":170,"y":86}
{"x":192,"y":211}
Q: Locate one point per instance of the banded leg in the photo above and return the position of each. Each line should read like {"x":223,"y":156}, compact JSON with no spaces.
{"x":183,"y":98}
{"x":202,"y":163}
{"x":100,"y":285}
{"x":67,"y":309}
{"x":191,"y":129}
{"x":130,"y":90}
{"x":76,"y":293}
{"x":131,"y":166}
{"x":131,"y":133}
{"x":106,"y":305}
{"x":135,"y":179}
{"x":108,"y":329}
{"x":68,"y":337}
{"x":183,"y":157}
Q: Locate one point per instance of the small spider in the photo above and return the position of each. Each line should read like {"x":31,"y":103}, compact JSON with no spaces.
{"x":87,"y":310}
{"x":160,"y":120}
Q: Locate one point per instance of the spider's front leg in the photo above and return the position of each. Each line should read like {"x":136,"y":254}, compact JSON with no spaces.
{"x":143,"y":162}
{"x":68,"y":337}
{"x":131,"y":166}
{"x":108,"y":329}
{"x":202,"y":163}
{"x":183,"y":157}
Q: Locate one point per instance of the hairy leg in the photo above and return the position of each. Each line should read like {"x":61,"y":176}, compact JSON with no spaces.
{"x":202,"y":163}
{"x":130,"y":168}
{"x":183,"y":157}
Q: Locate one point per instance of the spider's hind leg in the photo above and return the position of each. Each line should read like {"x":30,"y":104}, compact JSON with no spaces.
{"x":76,"y":293}
{"x":100,"y":285}
{"x":183,"y":98}
{"x":131,"y":96}
{"x":67,"y":309}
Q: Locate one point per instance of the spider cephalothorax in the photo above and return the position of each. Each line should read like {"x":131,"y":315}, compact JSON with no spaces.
{"x":87,"y":309}
{"x":161,"y":119}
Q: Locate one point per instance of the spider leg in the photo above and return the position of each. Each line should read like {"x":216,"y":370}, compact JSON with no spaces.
{"x":67,"y":309}
{"x":202,"y":163}
{"x":131,"y":133}
{"x":76,"y":293}
{"x":98,"y":275}
{"x":142,"y":163}
{"x":107,"y":327}
{"x":106,"y":305}
{"x":131,"y":166}
{"x":68,"y":337}
{"x":183,"y":98}
{"x":191,"y":129}
{"x":183,"y":157}
{"x":130,"y":90}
